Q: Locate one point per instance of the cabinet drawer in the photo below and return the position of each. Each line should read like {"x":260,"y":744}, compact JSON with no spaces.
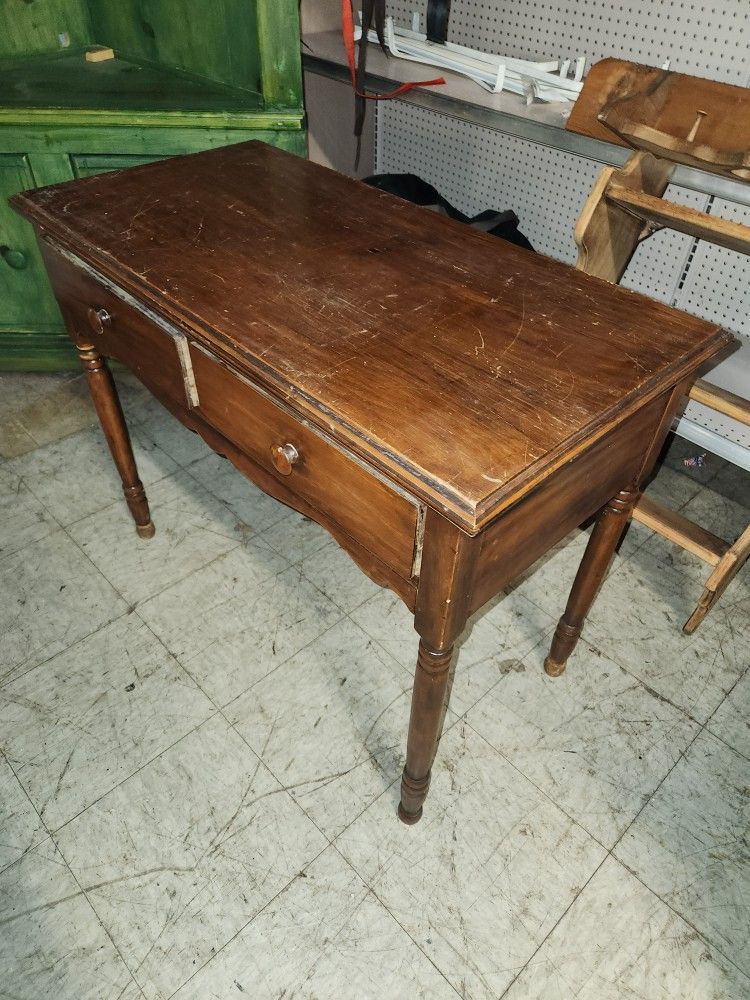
{"x":364,"y":506}
{"x":94,"y":313}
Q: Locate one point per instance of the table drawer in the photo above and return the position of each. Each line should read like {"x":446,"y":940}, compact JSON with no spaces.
{"x":382,"y":520}
{"x":94,"y":313}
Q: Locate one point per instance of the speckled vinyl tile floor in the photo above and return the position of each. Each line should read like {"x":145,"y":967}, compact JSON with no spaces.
{"x":201,"y":737}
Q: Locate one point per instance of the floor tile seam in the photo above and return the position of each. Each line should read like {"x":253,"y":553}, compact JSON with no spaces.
{"x":222,"y":708}
{"x":364,"y":761}
{"x":175,"y":659}
{"x":22,"y":479}
{"x":685,"y":919}
{"x":133,"y":605}
{"x":373,"y":892}
{"x":346,"y":611}
{"x":726,"y":743}
{"x":94,"y":427}
{"x":146,"y":763}
{"x":298,"y":562}
{"x":119,"y":499}
{"x":687,"y":717}
{"x":595,"y":648}
{"x":235,"y":697}
{"x":97,"y":917}
{"x":519,"y":659}
{"x":538,"y":788}
{"x":244,"y":927}
{"x":129,"y":606}
{"x":388,"y":787}
{"x":39,"y":816}
{"x":557,"y":923}
{"x":679,"y":472}
{"x":609,"y":852}
{"x":62,"y":437}
{"x":614,"y":656}
{"x":54,"y":529}
{"x":199,"y":569}
{"x":255,"y":533}
{"x":6,"y":682}
{"x":283,"y":789}
{"x":393,"y":781}
{"x":628,"y":669}
{"x":680,"y":757}
{"x":745,"y":673}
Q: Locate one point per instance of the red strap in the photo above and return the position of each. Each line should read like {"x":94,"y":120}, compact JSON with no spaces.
{"x":347,"y":29}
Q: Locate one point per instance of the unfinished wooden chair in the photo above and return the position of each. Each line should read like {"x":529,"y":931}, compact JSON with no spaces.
{"x":666,"y":118}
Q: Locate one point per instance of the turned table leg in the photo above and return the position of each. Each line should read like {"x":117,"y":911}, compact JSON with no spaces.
{"x":442,"y":608}
{"x":607,"y":532}
{"x":428,"y":705}
{"x":108,"y":409}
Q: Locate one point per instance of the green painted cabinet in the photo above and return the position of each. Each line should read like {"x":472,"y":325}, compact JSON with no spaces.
{"x":186,"y":75}
{"x":26,"y":300}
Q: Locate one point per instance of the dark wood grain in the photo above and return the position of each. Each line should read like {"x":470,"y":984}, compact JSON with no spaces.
{"x":127,"y":336}
{"x":448,"y":407}
{"x":108,"y":409}
{"x":385,"y":522}
{"x":409,"y":338}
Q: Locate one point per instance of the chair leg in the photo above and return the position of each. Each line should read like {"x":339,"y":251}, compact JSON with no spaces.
{"x":722,"y":575}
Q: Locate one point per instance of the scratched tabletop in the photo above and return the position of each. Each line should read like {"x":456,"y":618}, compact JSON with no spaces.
{"x":442,"y":355}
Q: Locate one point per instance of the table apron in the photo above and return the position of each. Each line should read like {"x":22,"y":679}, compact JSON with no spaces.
{"x":522,"y":534}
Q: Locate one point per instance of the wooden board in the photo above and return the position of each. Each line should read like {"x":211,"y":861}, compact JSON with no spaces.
{"x":70,"y":81}
{"x":655,"y":110}
{"x":465,"y":368}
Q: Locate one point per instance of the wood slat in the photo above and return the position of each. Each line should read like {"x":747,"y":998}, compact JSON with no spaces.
{"x":678,"y":528}
{"x":732,"y":235}
{"x":721,"y":400}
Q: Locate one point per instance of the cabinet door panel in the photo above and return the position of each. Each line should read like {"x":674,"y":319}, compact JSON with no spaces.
{"x":26,"y":299}
{"x":88,"y":164}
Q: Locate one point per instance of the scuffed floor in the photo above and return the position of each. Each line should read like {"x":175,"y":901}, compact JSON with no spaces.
{"x":201,"y":737}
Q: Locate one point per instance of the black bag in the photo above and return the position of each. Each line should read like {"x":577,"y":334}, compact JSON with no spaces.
{"x":414,"y":189}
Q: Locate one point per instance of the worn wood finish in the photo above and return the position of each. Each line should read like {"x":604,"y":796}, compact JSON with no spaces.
{"x":428,"y":708}
{"x":119,"y":329}
{"x":607,"y":532}
{"x":532,"y":526}
{"x":385,"y":521}
{"x":391,"y":304}
{"x":605,"y":234}
{"x":446,"y":584}
{"x":446,"y":405}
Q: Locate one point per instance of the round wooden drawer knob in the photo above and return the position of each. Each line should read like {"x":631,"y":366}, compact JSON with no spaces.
{"x":284,"y":457}
{"x":99,"y":320}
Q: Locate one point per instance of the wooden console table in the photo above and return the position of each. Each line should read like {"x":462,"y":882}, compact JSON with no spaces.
{"x":446,"y":405}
